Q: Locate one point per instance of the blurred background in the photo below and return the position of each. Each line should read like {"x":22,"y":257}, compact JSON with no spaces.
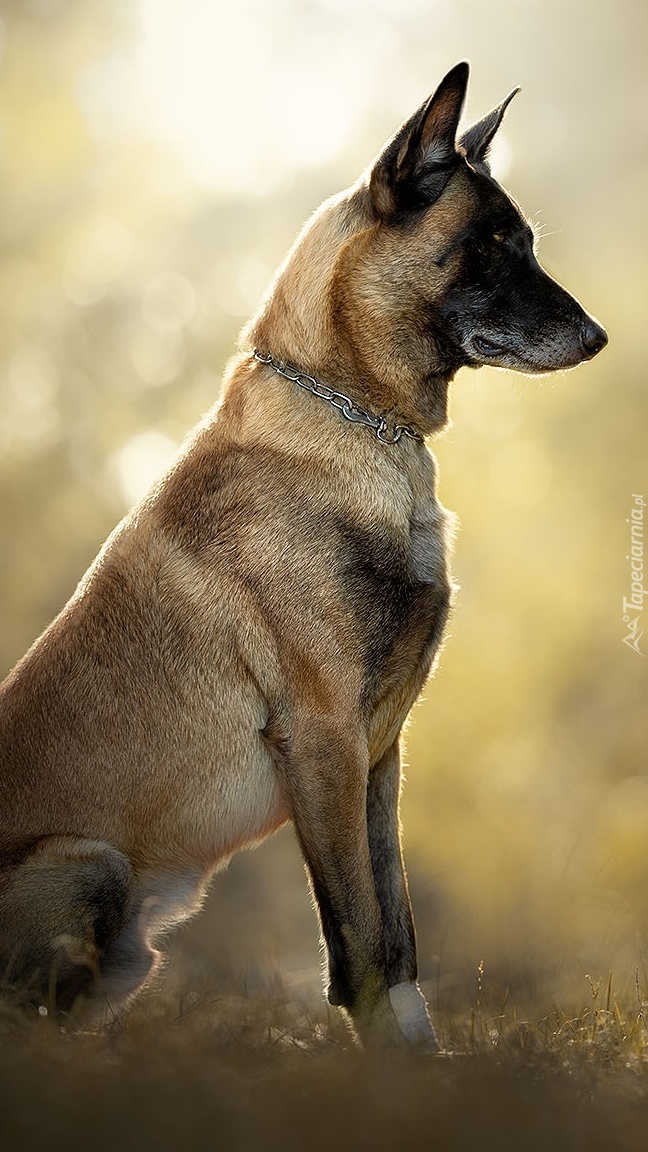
{"x":156,"y":159}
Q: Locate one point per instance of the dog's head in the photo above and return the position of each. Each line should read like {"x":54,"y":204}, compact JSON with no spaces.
{"x":466,"y":249}
{"x":424,"y":266}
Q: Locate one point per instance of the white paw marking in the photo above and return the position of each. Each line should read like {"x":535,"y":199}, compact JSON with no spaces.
{"x":410,"y":1009}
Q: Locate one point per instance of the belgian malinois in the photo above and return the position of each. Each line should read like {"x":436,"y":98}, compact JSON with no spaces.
{"x":248,"y":643}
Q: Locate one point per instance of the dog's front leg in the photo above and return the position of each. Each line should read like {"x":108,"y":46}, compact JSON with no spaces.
{"x":324,"y":767}
{"x":383,"y":794}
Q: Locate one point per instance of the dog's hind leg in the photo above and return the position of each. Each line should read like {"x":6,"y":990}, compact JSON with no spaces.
{"x":383,"y":794}
{"x":63,"y":907}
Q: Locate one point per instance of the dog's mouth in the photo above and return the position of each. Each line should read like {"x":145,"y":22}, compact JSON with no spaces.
{"x":487,"y":348}
{"x":483,"y":350}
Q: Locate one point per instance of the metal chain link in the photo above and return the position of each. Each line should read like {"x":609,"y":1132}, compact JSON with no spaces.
{"x":388,"y":433}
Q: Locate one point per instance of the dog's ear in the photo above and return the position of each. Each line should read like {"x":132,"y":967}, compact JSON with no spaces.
{"x":477,"y":140}
{"x":414,"y":167}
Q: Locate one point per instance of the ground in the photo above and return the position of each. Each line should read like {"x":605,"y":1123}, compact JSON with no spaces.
{"x":192,"y":1070}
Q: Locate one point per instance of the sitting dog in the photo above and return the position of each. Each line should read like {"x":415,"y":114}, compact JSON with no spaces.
{"x":249,"y":641}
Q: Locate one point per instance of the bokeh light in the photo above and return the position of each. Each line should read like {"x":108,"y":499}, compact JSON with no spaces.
{"x":157,"y":158}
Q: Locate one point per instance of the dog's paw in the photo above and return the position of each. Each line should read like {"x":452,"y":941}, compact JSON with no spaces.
{"x":410,"y":1009}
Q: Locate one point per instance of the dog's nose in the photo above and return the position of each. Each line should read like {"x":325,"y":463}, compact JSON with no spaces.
{"x":593,"y":337}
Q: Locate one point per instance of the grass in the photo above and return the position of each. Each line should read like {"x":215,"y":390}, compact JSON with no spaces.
{"x":192,"y":1070}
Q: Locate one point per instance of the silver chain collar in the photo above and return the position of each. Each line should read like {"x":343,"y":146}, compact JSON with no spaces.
{"x":388,"y":433}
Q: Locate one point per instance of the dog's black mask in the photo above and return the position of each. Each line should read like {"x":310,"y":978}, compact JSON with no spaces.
{"x":499,"y":307}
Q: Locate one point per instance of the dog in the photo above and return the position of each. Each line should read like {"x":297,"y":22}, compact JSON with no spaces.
{"x":247,"y":645}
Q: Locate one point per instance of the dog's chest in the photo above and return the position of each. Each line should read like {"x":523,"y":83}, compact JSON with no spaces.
{"x":401,"y":590}
{"x":427,"y":556}
{"x":407,"y":631}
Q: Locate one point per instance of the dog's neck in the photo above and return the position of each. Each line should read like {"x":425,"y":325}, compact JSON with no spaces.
{"x":325,"y":318}
{"x":388,"y":432}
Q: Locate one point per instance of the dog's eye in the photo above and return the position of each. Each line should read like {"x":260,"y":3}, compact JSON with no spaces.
{"x":499,"y":237}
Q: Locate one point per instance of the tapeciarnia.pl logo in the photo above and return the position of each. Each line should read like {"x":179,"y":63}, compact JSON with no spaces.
{"x":633,"y":604}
